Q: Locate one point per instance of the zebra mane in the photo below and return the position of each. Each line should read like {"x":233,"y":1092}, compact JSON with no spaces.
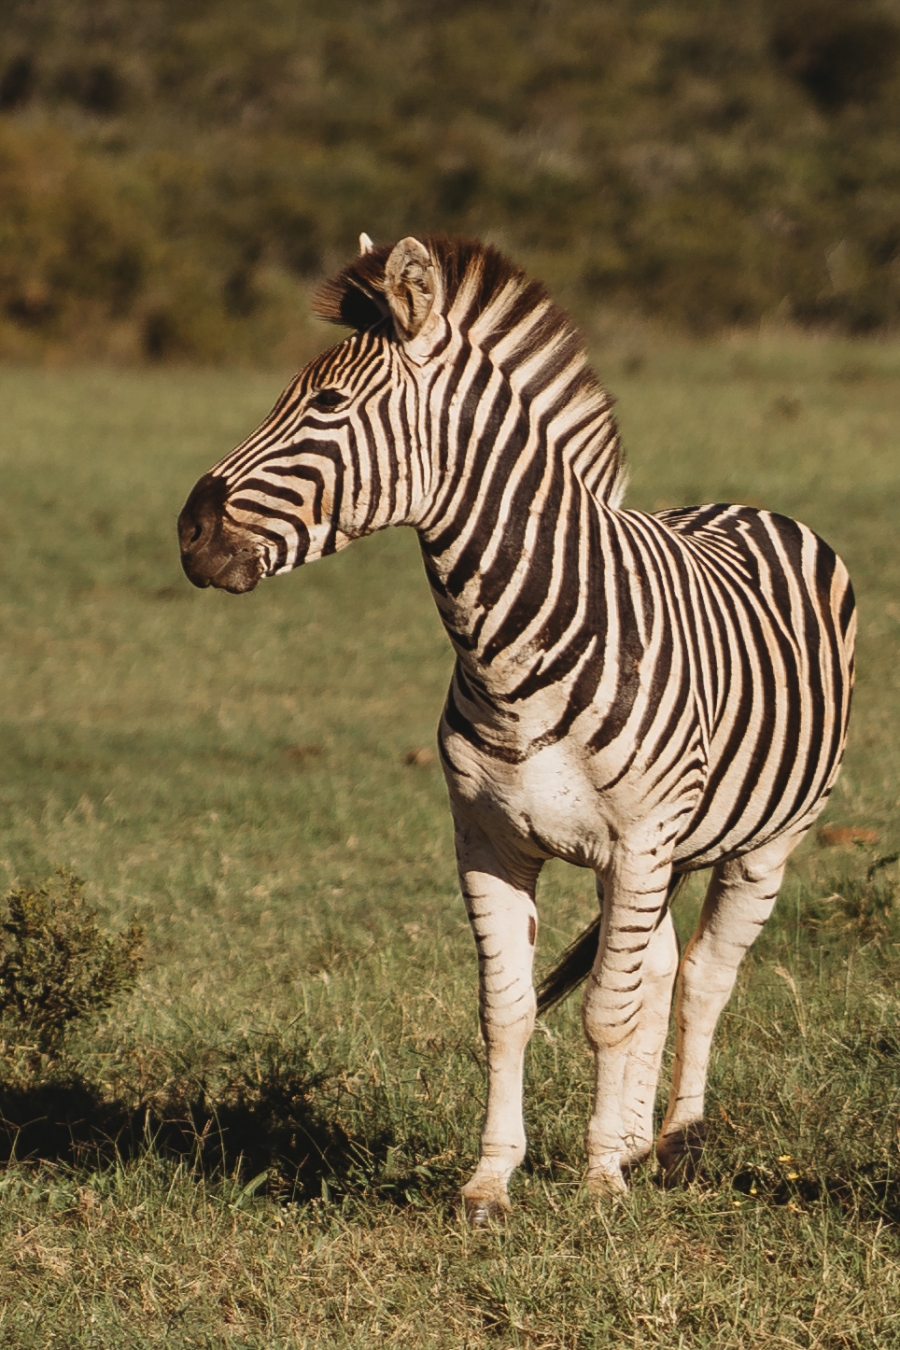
{"x":355,"y":297}
{"x":486,"y":291}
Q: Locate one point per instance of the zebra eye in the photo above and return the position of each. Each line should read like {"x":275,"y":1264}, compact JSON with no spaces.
{"x":327,"y":398}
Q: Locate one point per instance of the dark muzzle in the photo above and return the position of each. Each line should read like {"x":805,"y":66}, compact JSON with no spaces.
{"x":212,"y":552}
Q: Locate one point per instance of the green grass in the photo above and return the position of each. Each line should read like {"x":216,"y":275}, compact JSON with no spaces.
{"x":263,"y":1147}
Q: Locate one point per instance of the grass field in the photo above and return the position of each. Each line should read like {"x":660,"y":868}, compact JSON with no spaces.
{"x":263,"y":1146}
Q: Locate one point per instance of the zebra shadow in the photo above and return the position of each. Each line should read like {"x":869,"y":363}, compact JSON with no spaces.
{"x":277,"y":1128}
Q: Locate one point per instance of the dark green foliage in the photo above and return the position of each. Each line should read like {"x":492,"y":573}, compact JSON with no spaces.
{"x":173,"y":175}
{"x":839,"y":53}
{"x":56,"y":965}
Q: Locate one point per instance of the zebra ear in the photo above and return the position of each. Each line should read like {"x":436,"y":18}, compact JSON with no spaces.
{"x":365,"y":245}
{"x":413,"y":287}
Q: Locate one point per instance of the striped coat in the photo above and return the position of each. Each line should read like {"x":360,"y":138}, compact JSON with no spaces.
{"x":640,"y":695}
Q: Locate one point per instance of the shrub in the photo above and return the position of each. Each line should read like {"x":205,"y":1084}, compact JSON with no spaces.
{"x":57,"y":966}
{"x":865,"y":909}
{"x":171,"y":175}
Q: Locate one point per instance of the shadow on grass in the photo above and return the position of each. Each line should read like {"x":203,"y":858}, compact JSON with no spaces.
{"x":276,"y":1126}
{"x":863,"y":1191}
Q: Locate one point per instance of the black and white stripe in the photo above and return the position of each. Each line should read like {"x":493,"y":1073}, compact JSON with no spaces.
{"x":644,"y":695}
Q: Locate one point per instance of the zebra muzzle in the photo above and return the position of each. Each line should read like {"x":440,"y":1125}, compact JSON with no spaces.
{"x":211,"y":555}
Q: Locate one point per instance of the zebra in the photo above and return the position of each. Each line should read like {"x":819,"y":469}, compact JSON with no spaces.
{"x":641,"y":695}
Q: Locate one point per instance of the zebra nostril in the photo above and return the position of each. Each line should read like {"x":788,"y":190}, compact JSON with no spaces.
{"x":201,"y":514}
{"x":191,"y":532}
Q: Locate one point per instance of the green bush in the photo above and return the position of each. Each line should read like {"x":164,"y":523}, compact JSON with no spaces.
{"x":56,"y":965}
{"x":866,"y":909}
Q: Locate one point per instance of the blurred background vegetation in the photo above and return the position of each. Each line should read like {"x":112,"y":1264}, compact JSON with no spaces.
{"x":174,"y":174}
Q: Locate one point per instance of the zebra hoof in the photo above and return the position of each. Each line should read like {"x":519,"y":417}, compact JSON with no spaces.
{"x":482,"y":1212}
{"x":680,"y":1153}
{"x":606,"y":1183}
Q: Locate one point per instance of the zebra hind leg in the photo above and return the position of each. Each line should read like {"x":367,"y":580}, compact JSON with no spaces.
{"x":645,"y":1053}
{"x":740,"y":898}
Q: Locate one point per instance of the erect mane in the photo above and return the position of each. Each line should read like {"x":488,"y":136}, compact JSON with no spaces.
{"x":355,"y":297}
{"x":481,"y":284}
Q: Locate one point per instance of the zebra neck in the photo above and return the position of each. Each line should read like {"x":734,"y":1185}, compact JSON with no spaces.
{"x":521,"y":474}
{"x":509,"y":584}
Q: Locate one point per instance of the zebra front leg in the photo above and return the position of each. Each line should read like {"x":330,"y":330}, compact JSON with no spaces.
{"x":499,"y":899}
{"x":739,"y":899}
{"x":625,"y":1015}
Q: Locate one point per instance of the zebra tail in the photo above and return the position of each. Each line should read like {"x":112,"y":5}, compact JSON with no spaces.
{"x":571,"y":969}
{"x":574,"y":966}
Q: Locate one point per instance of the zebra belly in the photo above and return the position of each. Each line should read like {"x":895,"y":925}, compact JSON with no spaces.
{"x":707,"y":843}
{"x":777,"y":782}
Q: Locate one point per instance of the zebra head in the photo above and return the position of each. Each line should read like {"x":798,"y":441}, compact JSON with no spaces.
{"x":454,"y":351}
{"x":337,"y":457}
